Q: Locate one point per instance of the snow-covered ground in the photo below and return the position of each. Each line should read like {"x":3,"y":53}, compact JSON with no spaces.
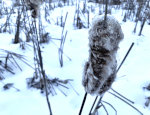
{"x":131,"y":78}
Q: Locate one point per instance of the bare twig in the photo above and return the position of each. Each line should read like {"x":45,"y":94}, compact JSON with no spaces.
{"x":74,"y":89}
{"x":6,"y":60}
{"x":63,"y":38}
{"x":122,"y":96}
{"x":7,"y":69}
{"x":62,"y":92}
{"x":16,"y":63}
{"x":126,"y":102}
{"x":18,"y":56}
{"x":104,"y":108}
{"x":62,"y":51}
{"x":110,"y":106}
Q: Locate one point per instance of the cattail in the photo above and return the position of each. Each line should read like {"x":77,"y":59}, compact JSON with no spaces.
{"x":34,"y":6}
{"x":100,"y":69}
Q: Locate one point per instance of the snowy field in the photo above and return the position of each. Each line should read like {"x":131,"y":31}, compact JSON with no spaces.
{"x":131,"y":78}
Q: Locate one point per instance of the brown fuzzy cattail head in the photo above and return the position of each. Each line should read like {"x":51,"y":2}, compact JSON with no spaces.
{"x":100,"y":69}
{"x":109,"y":37}
{"x":34,"y":6}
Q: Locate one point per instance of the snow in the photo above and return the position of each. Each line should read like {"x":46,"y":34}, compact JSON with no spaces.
{"x":131,"y":78}
{"x":7,"y":3}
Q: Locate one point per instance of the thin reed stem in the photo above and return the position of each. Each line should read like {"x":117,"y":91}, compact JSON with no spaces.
{"x":125,"y":56}
{"x":122,"y":96}
{"x":126,"y":102}
{"x":83,"y":102}
{"x":110,"y":106}
{"x":93,"y":105}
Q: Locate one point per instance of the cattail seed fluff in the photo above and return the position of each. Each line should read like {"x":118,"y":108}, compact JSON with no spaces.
{"x":100,"y":69}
